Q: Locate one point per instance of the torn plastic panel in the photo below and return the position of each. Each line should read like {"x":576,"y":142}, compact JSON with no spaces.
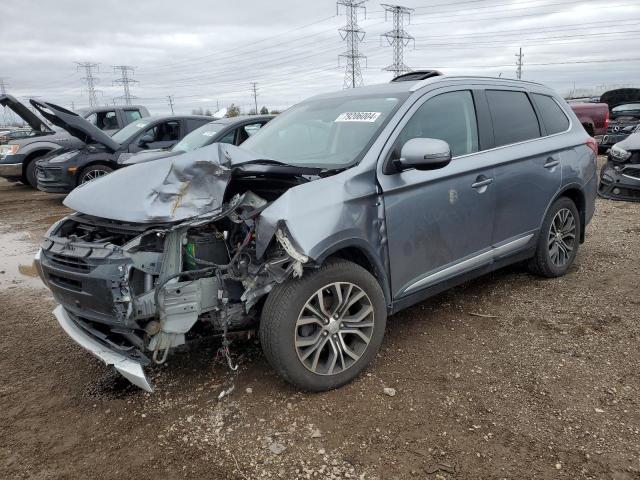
{"x":620,"y":177}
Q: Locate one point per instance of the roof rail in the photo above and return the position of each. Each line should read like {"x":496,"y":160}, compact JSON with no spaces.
{"x":417,"y":75}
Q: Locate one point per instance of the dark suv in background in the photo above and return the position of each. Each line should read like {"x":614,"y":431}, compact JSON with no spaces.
{"x":346,"y":208}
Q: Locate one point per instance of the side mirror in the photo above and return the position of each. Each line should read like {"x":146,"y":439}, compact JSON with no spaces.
{"x":423,"y":154}
{"x":145,"y":139}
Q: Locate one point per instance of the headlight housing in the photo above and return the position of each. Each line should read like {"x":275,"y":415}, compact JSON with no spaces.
{"x":8,"y":150}
{"x":619,"y":153}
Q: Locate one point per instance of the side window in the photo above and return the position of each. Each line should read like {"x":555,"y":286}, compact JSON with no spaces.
{"x":228,"y":138}
{"x":131,"y":116}
{"x":553,"y":118}
{"x":253,"y":128}
{"x":450,"y":117}
{"x":514,"y":119}
{"x":168,"y":131}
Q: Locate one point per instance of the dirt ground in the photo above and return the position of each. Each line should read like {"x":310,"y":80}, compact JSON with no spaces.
{"x":544,"y":385}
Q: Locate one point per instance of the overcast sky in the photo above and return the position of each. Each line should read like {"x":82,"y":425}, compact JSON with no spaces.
{"x":202,"y":52}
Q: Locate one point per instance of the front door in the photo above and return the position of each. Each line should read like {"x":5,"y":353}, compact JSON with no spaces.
{"x":439,"y":223}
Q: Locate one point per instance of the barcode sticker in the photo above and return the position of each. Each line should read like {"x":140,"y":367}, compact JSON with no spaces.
{"x":358,"y":117}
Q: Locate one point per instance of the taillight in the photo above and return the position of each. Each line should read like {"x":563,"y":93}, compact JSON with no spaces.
{"x":593,"y":145}
{"x":606,"y":120}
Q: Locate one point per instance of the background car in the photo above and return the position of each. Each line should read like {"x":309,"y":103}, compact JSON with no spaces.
{"x":18,"y":157}
{"x":15,"y":134}
{"x":232,"y":130}
{"x":63,"y":172}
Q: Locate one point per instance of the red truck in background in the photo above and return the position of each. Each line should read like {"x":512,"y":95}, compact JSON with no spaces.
{"x":593,"y":116}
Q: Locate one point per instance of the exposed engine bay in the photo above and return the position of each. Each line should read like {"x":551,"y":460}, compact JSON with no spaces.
{"x":130,"y":292}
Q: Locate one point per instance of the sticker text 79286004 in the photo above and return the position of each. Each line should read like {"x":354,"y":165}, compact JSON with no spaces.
{"x":358,"y":117}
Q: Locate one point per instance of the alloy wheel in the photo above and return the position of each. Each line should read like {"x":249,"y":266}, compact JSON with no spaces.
{"x":93,"y":174}
{"x":562,"y":237}
{"x":334,"y":328}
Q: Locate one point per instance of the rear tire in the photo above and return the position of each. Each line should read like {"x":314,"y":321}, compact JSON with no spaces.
{"x":320,"y":331}
{"x":558,"y":241}
{"x":92,"y":172}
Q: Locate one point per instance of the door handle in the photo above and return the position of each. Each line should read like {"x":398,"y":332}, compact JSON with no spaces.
{"x":482,"y":183}
{"x":551,"y":162}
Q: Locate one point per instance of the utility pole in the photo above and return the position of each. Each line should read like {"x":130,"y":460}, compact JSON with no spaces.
{"x":90,"y":79}
{"x":170,"y":98}
{"x":353,"y":35}
{"x":73,"y":106}
{"x":254,"y":87}
{"x":519,"y":56}
{"x":125,"y":80}
{"x":398,"y":38}
{"x":3,"y":91}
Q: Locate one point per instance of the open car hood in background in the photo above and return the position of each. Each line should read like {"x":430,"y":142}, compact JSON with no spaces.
{"x":74,"y":124}
{"x":620,"y":96}
{"x":24,"y":113}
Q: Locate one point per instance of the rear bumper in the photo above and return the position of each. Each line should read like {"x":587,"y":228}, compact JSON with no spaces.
{"x":128,"y":368}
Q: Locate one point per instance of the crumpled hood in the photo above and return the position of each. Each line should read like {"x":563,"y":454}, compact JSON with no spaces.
{"x":167,"y":190}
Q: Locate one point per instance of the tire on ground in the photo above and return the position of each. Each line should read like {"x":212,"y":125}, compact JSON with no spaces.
{"x":541,"y":264}
{"x":93,"y":169}
{"x":285,"y":303}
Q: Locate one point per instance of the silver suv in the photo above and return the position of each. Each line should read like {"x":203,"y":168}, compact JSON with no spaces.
{"x":343,"y":210}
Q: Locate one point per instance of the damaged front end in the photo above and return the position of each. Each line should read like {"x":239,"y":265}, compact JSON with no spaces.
{"x":620,"y":176}
{"x":133,"y":289}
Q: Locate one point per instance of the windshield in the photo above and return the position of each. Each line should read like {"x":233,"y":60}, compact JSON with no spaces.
{"x":127,"y":132}
{"x":328,"y":132}
{"x":198,"y":138}
{"x":626,"y":108}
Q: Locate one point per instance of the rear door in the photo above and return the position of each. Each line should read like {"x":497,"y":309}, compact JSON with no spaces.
{"x":439,"y":223}
{"x":527,"y":163}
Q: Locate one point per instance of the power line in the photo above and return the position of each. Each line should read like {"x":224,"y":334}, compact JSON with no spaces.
{"x":90,"y":79}
{"x":398,"y":38}
{"x":254,"y":88}
{"x":519,"y":56}
{"x":353,"y":35}
{"x":125,"y":80}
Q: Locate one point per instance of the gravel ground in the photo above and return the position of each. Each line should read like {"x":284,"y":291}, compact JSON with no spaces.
{"x":543,"y":383}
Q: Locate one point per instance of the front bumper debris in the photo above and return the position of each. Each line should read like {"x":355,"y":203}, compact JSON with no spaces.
{"x":620,"y":182}
{"x":128,"y":368}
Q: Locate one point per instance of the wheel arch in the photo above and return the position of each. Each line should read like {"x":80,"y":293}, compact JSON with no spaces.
{"x":575,"y":193}
{"x":360,"y":252}
{"x":32,"y":156}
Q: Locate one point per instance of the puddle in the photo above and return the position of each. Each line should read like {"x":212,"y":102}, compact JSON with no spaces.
{"x":16,"y":261}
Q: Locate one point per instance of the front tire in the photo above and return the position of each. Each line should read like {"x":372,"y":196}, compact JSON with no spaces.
{"x":320,"y":331}
{"x":29,"y":177}
{"x":558,"y":241}
{"x":92,"y":172}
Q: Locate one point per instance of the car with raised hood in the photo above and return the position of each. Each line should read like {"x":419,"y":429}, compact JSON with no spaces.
{"x":232,"y":130}
{"x":18,"y":156}
{"x":620,"y":176}
{"x":61,"y":173}
{"x":624,"y":107}
{"x":344,"y":209}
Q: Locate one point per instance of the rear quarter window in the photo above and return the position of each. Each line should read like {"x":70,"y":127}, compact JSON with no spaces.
{"x":513,"y":116}
{"x":552,"y":116}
